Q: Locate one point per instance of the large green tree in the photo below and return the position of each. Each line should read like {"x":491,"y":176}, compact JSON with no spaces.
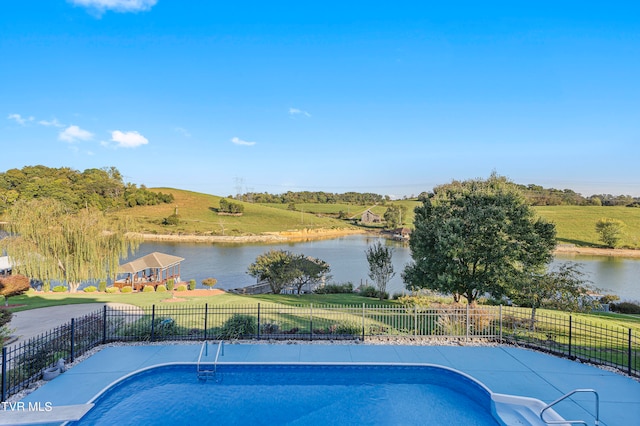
{"x":281,"y":268}
{"x":476,"y":237}
{"x":380,"y":266}
{"x":51,"y":242}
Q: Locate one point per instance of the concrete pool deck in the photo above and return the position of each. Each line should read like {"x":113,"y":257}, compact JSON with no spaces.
{"x":503,"y":369}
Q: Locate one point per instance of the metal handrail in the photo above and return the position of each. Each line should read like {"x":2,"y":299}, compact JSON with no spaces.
{"x":562,"y":398}
{"x":205,"y":344}
{"x":215,"y":363}
{"x":205,"y":349}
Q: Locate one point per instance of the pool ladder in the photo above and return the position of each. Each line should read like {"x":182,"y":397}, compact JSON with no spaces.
{"x":202,"y":371}
{"x":562,"y":398}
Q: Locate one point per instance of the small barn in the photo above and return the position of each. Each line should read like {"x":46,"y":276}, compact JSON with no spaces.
{"x":369,"y":217}
{"x":153,"y":269}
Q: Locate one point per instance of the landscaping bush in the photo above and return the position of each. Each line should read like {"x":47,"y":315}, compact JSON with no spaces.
{"x":171,"y":284}
{"x":141,"y":328}
{"x":59,"y":289}
{"x":113,"y":290}
{"x":270,"y":328}
{"x":209,"y":282}
{"x":192,"y":284}
{"x":239,"y":326}
{"x":90,"y":289}
{"x":161,"y":289}
{"x":346,"y":328}
{"x":5,"y":317}
{"x":46,"y":287}
{"x":102,"y":286}
{"x":126,"y":289}
{"x":335,"y":289}
{"x":182,"y":287}
{"x":371,"y":291}
{"x":148,"y":289}
{"x":625,"y":308}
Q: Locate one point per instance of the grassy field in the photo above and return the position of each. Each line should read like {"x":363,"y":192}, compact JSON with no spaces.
{"x":198,"y":216}
{"x":576,"y":224}
{"x":353,"y":211}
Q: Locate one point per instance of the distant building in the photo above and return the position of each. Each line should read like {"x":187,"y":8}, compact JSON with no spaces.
{"x":369,"y":217}
{"x":402,"y":234}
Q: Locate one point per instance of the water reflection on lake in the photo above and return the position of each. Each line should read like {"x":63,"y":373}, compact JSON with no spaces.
{"x":228,"y":263}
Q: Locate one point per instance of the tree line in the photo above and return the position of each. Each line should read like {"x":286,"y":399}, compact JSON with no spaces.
{"x":314,"y":197}
{"x":103,"y":189}
{"x":536,"y":195}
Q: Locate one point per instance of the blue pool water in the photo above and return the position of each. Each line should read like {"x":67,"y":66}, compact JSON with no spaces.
{"x":295,"y":395}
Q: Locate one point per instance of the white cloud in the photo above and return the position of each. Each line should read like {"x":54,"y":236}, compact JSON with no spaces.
{"x":52,"y":123}
{"x":239,"y":141}
{"x":296,"y":111}
{"x":123,"y":6}
{"x":74,"y":134}
{"x":130,"y":139}
{"x":19,"y":119}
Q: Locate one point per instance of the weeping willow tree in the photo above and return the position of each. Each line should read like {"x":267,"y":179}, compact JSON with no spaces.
{"x":50,"y":242}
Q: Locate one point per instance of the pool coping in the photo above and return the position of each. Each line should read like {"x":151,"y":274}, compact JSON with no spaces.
{"x":502,"y":369}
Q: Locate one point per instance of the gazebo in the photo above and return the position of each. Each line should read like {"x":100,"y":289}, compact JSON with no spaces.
{"x":153,"y":269}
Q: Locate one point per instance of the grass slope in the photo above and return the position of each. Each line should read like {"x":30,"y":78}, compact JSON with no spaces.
{"x":198,"y":216}
{"x":577,"y":224}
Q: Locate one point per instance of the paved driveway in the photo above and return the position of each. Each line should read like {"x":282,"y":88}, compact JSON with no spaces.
{"x":31,"y":323}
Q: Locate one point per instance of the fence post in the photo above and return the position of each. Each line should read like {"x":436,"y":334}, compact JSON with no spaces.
{"x":468,"y":324}
{"x":415,"y":320}
{"x":570,"y":327}
{"x":153,"y":322}
{"x":630,"y":353}
{"x":206,"y":314}
{"x":311,"y":321}
{"x":258,"y":321}
{"x":73,"y":340}
{"x":363,"y":321}
{"x":4,"y":373}
{"x":104,"y":324}
{"x":500,"y":324}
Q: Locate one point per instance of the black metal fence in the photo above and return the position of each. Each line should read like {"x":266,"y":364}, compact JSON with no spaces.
{"x":557,"y":333}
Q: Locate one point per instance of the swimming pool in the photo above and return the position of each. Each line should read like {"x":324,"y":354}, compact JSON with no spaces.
{"x":275,"y":394}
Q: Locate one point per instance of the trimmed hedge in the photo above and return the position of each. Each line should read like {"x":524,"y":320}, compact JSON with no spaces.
{"x":90,"y":289}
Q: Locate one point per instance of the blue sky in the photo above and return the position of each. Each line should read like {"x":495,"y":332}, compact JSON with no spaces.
{"x":385,"y":97}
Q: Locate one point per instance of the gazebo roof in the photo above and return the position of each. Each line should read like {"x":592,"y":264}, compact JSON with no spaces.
{"x":150,"y":261}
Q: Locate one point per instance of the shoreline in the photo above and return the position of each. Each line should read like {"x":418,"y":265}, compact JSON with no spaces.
{"x":319,"y":234}
{"x":595,"y":251}
{"x":267,"y":237}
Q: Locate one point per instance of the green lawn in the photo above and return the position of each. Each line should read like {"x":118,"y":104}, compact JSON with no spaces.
{"x":577,"y":224}
{"x":34,"y":300}
{"x":198,"y":216}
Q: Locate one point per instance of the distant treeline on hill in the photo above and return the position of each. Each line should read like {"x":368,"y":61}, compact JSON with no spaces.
{"x":537,"y":196}
{"x":100,"y":188}
{"x":320,"y":197}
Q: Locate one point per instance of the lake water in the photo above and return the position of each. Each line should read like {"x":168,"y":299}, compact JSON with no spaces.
{"x":228,"y":263}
